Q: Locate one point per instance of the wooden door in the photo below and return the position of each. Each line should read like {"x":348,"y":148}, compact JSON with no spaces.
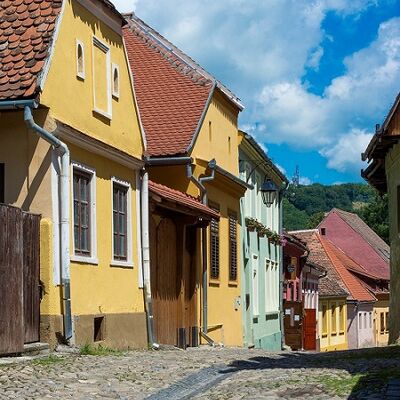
{"x":310,"y":329}
{"x":293,"y":321}
{"x":31,"y":272}
{"x":164,"y":281}
{"x":11,"y":280}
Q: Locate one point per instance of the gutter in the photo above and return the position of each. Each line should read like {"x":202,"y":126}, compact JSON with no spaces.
{"x":146,"y":259}
{"x":62,"y":148}
{"x":160,"y":161}
{"x":17,"y":104}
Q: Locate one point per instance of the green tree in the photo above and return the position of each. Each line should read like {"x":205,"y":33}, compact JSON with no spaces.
{"x":315,"y":219}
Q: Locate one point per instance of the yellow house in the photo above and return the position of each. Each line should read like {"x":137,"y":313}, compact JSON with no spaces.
{"x":76,"y":160}
{"x":381,"y":318}
{"x":191,"y":134}
{"x":332,"y":323}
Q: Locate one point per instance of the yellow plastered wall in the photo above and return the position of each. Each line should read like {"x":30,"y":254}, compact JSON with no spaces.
{"x":51,"y":301}
{"x":331,"y":338}
{"x":381,"y":337}
{"x":224,"y":301}
{"x":102,"y":288}
{"x":71,"y":99}
{"x":218,"y":137}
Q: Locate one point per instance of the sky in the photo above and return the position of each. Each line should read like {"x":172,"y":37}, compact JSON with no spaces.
{"x":315,"y":76}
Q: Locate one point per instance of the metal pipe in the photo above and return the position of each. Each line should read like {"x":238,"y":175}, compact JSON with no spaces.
{"x":204,"y":199}
{"x":17,"y":104}
{"x":168,"y":161}
{"x":64,"y":214}
{"x":146,"y":259}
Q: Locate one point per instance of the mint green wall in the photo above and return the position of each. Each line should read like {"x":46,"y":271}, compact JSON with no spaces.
{"x":393,"y":182}
{"x":261,"y":317}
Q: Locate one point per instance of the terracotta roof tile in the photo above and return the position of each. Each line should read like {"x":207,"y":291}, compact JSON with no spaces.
{"x":331,"y":284}
{"x":171,"y":95}
{"x":181,"y":198}
{"x":26,"y":30}
{"x":380,"y":246}
{"x":353,"y":284}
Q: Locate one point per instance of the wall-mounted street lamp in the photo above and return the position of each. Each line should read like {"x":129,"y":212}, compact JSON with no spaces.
{"x":268,"y":191}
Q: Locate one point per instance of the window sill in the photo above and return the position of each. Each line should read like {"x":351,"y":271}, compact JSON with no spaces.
{"x":84,"y":260}
{"x":121,"y":264}
{"x":102,"y":113}
{"x":213,"y":282}
{"x":233,"y":283}
{"x":272,"y":313}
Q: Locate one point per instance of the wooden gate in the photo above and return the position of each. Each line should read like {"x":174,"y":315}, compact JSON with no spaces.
{"x":19,"y":279}
{"x":310,"y":329}
{"x":293,"y":321}
{"x":173,"y":283}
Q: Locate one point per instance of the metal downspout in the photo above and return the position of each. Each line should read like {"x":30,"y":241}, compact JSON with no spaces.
{"x":146,"y":259}
{"x":62,"y":148}
{"x":204,"y":199}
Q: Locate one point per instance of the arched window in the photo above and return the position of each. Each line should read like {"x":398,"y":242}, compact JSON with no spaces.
{"x":80,"y":60}
{"x":115,"y":81}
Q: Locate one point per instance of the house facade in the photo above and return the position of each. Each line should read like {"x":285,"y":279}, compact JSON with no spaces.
{"x":191,"y":135}
{"x":70,"y":154}
{"x":367,"y":259}
{"x":261,"y":263}
{"x":383,"y":156}
{"x":332,"y":295}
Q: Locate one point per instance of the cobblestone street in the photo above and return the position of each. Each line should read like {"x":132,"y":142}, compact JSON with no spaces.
{"x":205,"y":373}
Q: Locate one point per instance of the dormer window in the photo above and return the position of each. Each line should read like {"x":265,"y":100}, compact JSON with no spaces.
{"x":80,"y":60}
{"x":115,"y":81}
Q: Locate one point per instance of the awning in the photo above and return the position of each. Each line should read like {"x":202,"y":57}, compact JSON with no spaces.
{"x":178,"y":201}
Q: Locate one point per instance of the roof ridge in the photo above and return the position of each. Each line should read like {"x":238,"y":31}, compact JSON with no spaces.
{"x":168,"y":55}
{"x":183,"y":57}
{"x":333,"y":257}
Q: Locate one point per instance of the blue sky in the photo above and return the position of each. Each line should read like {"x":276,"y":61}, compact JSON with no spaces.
{"x":315,"y":75}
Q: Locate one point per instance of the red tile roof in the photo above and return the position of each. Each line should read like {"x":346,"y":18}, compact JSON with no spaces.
{"x":340,"y":261}
{"x":331,"y":285}
{"x":354,"y":237}
{"x":171,"y":95}
{"x":184,"y":199}
{"x":26,"y":31}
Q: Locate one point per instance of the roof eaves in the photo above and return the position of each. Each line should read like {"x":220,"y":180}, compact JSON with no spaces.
{"x":263,"y":155}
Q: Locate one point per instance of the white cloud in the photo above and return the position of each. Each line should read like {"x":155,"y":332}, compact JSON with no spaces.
{"x":345,"y":154}
{"x":262,"y":49}
{"x":125,"y":5}
{"x":303,"y":180}
{"x":283,"y":170}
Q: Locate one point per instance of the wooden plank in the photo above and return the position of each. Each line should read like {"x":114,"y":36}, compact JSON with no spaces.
{"x":31,"y":272}
{"x":11,"y":280}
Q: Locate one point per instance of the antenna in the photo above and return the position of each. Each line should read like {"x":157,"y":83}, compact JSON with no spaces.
{"x":296,"y":177}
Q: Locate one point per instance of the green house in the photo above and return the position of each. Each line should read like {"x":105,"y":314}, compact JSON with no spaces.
{"x":261,"y":221}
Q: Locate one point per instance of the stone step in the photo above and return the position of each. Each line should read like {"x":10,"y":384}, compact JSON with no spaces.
{"x":36,"y":349}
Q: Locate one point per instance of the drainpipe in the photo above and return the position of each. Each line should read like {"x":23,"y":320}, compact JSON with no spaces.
{"x":146,"y":259}
{"x":282,"y":326}
{"x":203,"y":193}
{"x":62,"y":148}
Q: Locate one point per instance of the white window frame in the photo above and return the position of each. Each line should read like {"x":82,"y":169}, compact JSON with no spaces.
{"x":115,"y":93}
{"x":80,"y":74}
{"x":103,"y":47}
{"x":128,"y":263}
{"x":92,"y":259}
{"x":255,"y":287}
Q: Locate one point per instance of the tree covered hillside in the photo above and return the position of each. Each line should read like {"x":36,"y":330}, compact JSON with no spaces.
{"x":305,"y":206}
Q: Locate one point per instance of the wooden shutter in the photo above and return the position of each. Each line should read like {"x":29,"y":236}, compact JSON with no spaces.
{"x":214,"y":246}
{"x":232,"y":246}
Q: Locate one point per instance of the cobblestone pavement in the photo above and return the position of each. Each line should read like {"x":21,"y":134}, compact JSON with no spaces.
{"x":206,"y":373}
